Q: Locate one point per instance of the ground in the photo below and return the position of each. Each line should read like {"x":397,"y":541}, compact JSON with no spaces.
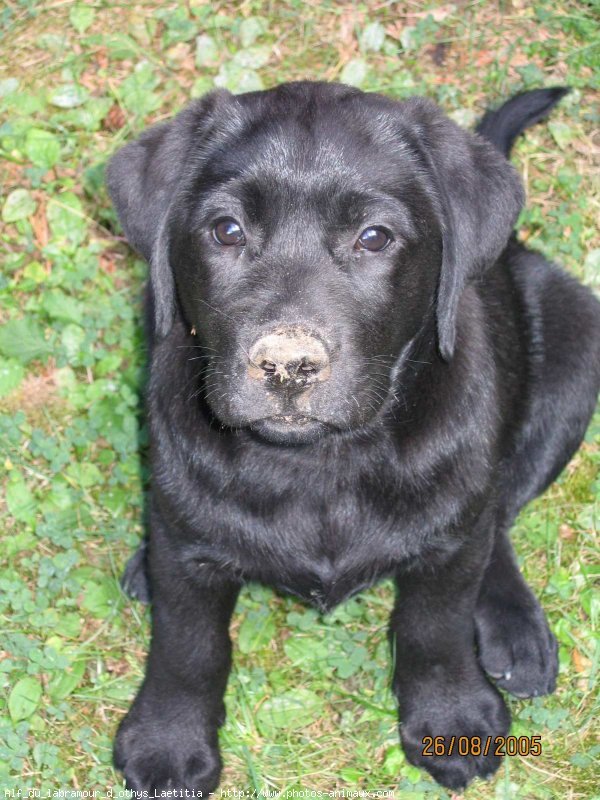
{"x":309,"y":700}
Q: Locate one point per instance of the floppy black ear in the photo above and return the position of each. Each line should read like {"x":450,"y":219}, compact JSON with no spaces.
{"x":143,"y":178}
{"x":478,"y":195}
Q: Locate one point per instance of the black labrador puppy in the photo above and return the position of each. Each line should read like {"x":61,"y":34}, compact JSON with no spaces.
{"x":356,"y":372}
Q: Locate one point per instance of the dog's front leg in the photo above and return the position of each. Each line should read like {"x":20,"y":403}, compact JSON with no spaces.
{"x":168,"y":740}
{"x":441,"y":689}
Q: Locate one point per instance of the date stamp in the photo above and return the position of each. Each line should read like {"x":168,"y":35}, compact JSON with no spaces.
{"x":482,"y":745}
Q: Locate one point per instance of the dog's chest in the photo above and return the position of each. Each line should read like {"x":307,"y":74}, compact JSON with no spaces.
{"x":328,"y":552}
{"x":320,"y":526}
{"x":322,"y":541}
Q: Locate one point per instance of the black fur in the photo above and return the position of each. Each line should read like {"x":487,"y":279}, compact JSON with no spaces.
{"x":502,"y":127}
{"x":463,"y":370}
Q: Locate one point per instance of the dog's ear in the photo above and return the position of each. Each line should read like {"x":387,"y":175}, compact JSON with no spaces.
{"x":143,"y":178}
{"x":478,"y":196}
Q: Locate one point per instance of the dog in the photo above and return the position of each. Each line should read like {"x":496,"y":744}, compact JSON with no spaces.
{"x":357,"y":372}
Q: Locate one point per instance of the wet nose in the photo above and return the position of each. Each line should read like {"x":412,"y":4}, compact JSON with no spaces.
{"x":289,"y":357}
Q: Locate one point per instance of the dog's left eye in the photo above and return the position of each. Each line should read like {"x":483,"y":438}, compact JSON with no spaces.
{"x":228,"y":232}
{"x":373,"y":239}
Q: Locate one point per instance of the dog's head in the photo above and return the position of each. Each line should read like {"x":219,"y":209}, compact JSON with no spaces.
{"x":310,"y":234}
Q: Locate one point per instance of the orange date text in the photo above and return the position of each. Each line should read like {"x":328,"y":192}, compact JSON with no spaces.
{"x":482,"y":745}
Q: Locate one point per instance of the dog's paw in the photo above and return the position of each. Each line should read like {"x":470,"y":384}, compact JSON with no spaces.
{"x":159,"y":755}
{"x":472,"y":712}
{"x":517,"y":648}
{"x":136,"y":581}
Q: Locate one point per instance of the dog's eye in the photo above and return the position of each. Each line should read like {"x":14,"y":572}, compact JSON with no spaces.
{"x":228,"y":232}
{"x":373,"y":239}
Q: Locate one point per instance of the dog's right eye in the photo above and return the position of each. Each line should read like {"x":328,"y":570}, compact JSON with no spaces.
{"x":228,"y":232}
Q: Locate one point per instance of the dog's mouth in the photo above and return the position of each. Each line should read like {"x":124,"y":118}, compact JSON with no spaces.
{"x":290,"y":429}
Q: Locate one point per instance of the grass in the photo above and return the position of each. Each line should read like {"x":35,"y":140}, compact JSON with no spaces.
{"x":309,"y":700}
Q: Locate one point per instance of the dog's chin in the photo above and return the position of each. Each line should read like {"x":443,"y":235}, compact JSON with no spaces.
{"x":290,"y":430}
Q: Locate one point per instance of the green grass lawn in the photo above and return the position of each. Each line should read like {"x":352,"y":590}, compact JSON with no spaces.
{"x":309,"y":701}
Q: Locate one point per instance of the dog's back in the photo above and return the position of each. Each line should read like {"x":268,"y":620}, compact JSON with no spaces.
{"x":558,"y":328}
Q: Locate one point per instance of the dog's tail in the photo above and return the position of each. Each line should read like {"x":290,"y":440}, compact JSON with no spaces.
{"x":501,"y":127}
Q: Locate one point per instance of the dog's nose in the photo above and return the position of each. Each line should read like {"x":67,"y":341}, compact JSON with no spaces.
{"x":289,"y":357}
